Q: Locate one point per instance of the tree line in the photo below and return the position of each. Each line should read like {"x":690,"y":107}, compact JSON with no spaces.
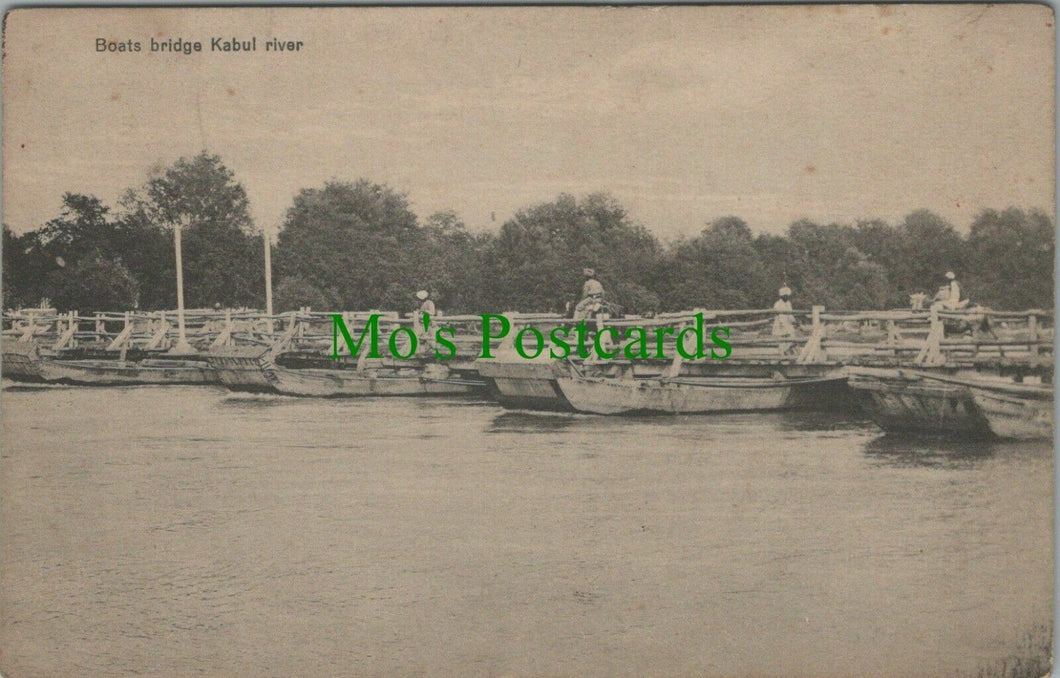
{"x":357,"y":245}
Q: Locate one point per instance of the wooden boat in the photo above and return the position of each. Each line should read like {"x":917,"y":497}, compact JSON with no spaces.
{"x":520,"y":384}
{"x":1017,"y":417}
{"x":242,"y":368}
{"x":911,"y":401}
{"x":432,"y":379}
{"x":21,"y":361}
{"x":1015,"y":411}
{"x":158,"y":370}
{"x":688,"y":395}
{"x":26,"y":362}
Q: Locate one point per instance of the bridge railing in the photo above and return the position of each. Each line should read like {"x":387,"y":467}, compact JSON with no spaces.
{"x":815,"y":335}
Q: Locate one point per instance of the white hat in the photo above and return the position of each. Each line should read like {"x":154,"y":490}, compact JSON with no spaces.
{"x":785,"y":291}
{"x":949,"y":274}
{"x":422,"y":294}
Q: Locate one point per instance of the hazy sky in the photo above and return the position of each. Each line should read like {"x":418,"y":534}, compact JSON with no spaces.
{"x":683,"y":114}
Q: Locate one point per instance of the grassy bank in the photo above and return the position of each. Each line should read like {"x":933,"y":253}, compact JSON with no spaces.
{"x":1031,"y":659}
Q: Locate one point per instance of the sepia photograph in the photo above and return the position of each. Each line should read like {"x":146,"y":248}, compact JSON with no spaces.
{"x":528,"y":341}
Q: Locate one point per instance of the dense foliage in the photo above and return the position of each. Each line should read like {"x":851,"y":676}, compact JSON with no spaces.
{"x":359,"y":246}
{"x":222,"y":255}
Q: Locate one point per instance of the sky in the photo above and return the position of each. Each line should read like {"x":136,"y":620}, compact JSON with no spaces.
{"x":683,"y":114}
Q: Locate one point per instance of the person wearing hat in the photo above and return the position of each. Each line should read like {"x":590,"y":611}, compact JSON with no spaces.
{"x":949,"y":295}
{"x":592,"y":295}
{"x":784,"y":322}
{"x":428,"y":305}
{"x":426,"y":309}
{"x":954,"y":300}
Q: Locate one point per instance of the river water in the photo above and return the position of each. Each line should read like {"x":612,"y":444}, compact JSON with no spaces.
{"x":185,"y":531}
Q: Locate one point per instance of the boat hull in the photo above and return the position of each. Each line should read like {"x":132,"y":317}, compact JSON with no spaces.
{"x":1013,"y":417}
{"x":520,"y":384}
{"x":21,"y":361}
{"x":909,"y":405}
{"x":242,"y":369}
{"x":687,"y":396}
{"x":334,"y":383}
{"x":126,"y":373}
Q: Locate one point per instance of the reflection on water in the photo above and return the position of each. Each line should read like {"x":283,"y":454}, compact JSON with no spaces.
{"x":823,"y":421}
{"x":30,"y":388}
{"x":537,"y":422}
{"x":185,"y":531}
{"x":252,"y":401}
{"x":527,"y":421}
{"x":909,"y":450}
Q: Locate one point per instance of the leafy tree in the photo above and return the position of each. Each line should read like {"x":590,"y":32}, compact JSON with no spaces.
{"x":295,"y":292}
{"x":1010,"y":259}
{"x":82,"y":229}
{"x":881,"y":244}
{"x":357,"y":243}
{"x":22,"y":280}
{"x":928,"y":247}
{"x":147,"y":251}
{"x":720,"y":268}
{"x":93,"y":284}
{"x":818,"y":252}
{"x":540,"y":253}
{"x":200,"y":192}
{"x":359,"y":246}
{"x":448,"y":254}
{"x":780,"y":261}
{"x":222,"y":253}
{"x":858,"y":282}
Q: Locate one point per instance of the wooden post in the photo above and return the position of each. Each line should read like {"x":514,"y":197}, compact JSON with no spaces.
{"x":931,"y":352}
{"x":288,"y":335}
{"x":508,"y":342}
{"x":268,"y":273}
{"x":123,"y":336}
{"x":224,"y":337}
{"x":1032,"y":329}
{"x":182,"y":339}
{"x":66,"y":338}
{"x":812,"y":351}
{"x":673,"y":370}
{"x":268,"y":277}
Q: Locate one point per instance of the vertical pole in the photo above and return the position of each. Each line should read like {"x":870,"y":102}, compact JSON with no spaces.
{"x":1032,"y":330}
{"x":268,"y":275}
{"x":182,"y":338}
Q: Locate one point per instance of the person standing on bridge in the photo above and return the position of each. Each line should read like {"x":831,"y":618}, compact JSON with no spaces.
{"x":592,"y":295}
{"x":783,"y":323}
{"x":426,"y":310}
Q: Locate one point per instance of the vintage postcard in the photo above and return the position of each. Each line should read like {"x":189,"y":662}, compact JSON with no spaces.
{"x":528,"y":341}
